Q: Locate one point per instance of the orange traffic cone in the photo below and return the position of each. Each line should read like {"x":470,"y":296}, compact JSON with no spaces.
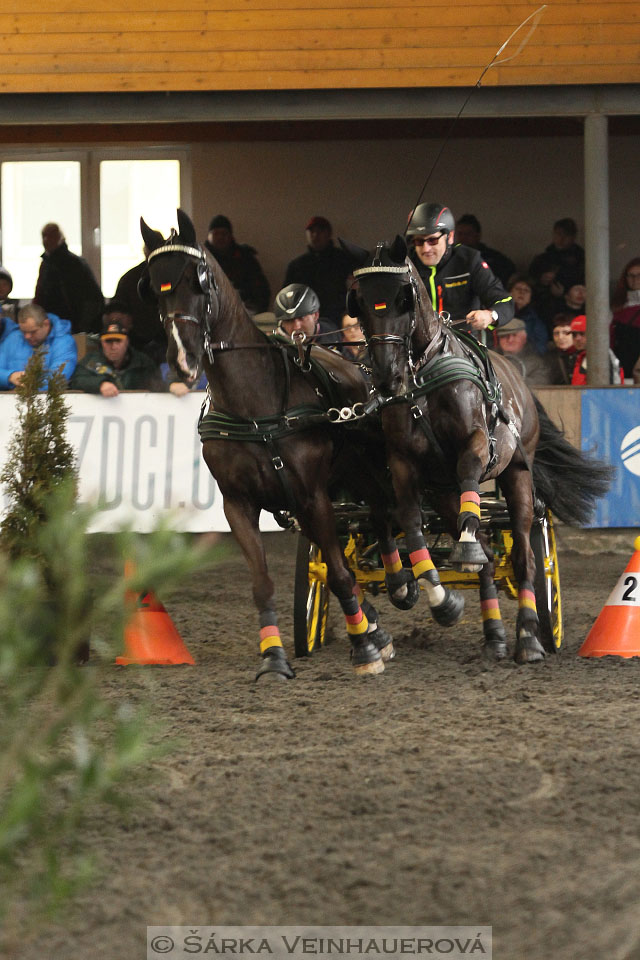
{"x":150,"y":636}
{"x":616,"y":632}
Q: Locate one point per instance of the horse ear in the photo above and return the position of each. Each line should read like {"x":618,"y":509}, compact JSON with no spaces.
{"x":398,"y":249}
{"x":186,"y":229}
{"x":359,"y":254}
{"x":152,"y":238}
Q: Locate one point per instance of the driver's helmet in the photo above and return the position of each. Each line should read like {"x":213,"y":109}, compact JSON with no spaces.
{"x":295,"y":300}
{"x":428,"y":218}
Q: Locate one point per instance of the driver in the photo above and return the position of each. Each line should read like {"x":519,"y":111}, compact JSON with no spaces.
{"x":297,"y":307}
{"x":457,"y":279}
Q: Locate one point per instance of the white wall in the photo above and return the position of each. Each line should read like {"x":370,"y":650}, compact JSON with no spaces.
{"x":516,"y":187}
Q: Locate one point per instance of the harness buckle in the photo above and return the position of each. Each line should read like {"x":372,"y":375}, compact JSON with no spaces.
{"x":416,"y":412}
{"x":277,"y":463}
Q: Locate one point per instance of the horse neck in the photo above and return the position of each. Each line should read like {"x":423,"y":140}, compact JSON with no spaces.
{"x":249,"y":378}
{"x":428,"y":329}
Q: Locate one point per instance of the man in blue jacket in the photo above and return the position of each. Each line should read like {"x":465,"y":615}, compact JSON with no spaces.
{"x":36,"y":328}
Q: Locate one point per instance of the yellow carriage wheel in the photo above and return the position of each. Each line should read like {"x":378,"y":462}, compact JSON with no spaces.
{"x":547,"y":583}
{"x":310,"y":599}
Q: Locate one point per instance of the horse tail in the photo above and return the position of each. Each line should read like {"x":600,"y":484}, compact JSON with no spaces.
{"x":567,"y":481}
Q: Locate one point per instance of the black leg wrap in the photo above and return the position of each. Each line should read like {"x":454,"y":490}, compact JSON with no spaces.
{"x":528,"y":647}
{"x":467,"y":551}
{"x":495,"y":640}
{"x":394,"y":581}
{"x":274,"y":661}
{"x":450,"y":610}
{"x":383,"y":641}
{"x":364,"y":651}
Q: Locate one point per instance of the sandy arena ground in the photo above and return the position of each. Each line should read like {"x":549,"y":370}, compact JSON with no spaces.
{"x":442,"y":792}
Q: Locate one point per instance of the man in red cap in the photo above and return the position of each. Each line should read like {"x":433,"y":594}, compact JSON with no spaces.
{"x":325,"y":268}
{"x":579,"y":376}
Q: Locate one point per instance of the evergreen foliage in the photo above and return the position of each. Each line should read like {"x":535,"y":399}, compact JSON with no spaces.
{"x":40,"y":458}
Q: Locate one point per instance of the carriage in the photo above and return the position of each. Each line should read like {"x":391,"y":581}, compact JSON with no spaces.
{"x":362,"y":552}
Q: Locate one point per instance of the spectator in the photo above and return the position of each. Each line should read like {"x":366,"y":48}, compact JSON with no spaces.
{"x":352,"y":347}
{"x":521,"y":291}
{"x":457,"y":279}
{"x":625,"y":322}
{"x":561,"y":354}
{"x":36,"y":328}
{"x":512,"y":343}
{"x":571,"y":302}
{"x":176,"y":386}
{"x":239,"y":262}
{"x":325,"y":268}
{"x":297,"y":308}
{"x":111,"y":364}
{"x":8,"y":305}
{"x":66,"y":286}
{"x":469,"y":232}
{"x":579,"y":375}
{"x":563,"y":258}
{"x":146,"y":331}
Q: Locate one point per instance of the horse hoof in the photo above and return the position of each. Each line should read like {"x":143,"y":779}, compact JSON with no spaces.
{"x":366,"y":658}
{"x":275,"y":664}
{"x":450,"y":610}
{"x":369,"y":669}
{"x":528,"y":650}
{"x":468,"y":555}
{"x":384,"y":643}
{"x":405,"y":595}
{"x":495,"y":647}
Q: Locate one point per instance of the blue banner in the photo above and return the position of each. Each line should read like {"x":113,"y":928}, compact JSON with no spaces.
{"x":611,"y":431}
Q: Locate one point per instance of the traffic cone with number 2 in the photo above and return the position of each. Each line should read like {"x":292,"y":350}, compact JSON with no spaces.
{"x":616,"y":632}
{"x":150,"y":636}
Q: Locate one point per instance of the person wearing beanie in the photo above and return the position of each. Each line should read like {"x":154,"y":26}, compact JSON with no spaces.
{"x":579,"y":375}
{"x":325,"y":268}
{"x":240,"y":263}
{"x":66,"y":285}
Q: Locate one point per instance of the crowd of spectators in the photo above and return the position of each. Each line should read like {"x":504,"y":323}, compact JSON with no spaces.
{"x":123,"y":343}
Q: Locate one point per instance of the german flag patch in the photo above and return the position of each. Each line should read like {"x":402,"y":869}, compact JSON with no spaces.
{"x":380,"y":306}
{"x":165,"y":287}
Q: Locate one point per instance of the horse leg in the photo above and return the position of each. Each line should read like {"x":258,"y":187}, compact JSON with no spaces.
{"x":516,"y":486}
{"x":446,"y":605}
{"x":317,"y":522}
{"x":467,"y":554}
{"x":495,"y":636}
{"x":243,"y":520}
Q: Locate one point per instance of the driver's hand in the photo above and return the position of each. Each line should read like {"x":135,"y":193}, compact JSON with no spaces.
{"x":480,"y":319}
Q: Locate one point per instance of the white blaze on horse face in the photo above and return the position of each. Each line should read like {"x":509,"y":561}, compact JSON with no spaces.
{"x":190,"y":372}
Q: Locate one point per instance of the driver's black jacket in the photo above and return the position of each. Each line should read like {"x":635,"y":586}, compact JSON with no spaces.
{"x":461,"y":282}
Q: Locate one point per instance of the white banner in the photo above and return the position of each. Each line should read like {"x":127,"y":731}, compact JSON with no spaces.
{"x":139,"y":460}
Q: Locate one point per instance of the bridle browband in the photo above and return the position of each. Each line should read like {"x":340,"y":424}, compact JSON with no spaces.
{"x":196,"y":252}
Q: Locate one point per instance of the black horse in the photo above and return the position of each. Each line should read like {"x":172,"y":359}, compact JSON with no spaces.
{"x":273,"y":438}
{"x":455,"y":415}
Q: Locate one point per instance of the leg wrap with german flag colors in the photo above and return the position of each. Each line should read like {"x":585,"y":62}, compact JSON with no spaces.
{"x":528,"y":647}
{"x":377,"y":634}
{"x":365,"y":656}
{"x":495,"y":636}
{"x":401,"y":585}
{"x":274,"y":658}
{"x":446,"y":605}
{"x":469,"y":505}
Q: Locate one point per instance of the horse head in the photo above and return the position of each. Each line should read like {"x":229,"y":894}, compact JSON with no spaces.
{"x":181,"y":277}
{"x":383,"y":297}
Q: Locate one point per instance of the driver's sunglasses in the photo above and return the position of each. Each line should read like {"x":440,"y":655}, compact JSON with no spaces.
{"x":432,"y":241}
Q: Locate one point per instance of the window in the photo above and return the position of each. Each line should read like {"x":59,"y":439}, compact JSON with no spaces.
{"x":97,"y":197}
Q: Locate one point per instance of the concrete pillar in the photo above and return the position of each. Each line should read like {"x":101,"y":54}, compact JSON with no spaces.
{"x":596,"y":230}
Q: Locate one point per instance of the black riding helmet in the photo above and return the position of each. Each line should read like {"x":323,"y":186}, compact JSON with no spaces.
{"x":295,"y":300}
{"x":428,"y":218}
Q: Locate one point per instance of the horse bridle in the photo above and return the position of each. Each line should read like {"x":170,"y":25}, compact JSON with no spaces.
{"x":206,"y":282}
{"x":392,"y":338}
